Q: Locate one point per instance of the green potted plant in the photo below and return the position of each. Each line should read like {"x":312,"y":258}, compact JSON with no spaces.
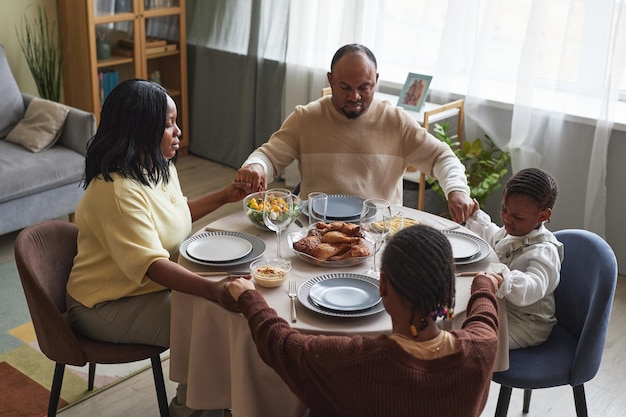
{"x":42,"y":47}
{"x":485,"y":164}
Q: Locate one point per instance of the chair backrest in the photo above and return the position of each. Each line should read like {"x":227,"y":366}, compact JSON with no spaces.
{"x":584,"y":297}
{"x":44,"y":254}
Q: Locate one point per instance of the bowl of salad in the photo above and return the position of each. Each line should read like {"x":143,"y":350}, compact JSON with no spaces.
{"x":253,"y":207}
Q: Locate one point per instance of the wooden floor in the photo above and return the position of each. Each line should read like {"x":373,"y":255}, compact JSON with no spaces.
{"x":136,"y":397}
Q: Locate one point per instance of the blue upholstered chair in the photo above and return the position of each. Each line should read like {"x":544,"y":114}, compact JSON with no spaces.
{"x":572,"y":353}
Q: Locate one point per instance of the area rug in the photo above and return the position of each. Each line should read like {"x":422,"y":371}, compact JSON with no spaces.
{"x":26,"y":373}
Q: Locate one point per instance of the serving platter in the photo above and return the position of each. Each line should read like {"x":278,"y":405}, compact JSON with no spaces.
{"x":344,"y":283}
{"x":301,"y":234}
{"x":483,"y":247}
{"x":256,"y":243}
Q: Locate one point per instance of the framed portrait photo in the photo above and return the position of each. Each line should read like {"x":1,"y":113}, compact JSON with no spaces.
{"x":413,"y":94}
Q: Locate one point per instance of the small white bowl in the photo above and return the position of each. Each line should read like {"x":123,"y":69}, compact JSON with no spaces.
{"x":270,"y":273}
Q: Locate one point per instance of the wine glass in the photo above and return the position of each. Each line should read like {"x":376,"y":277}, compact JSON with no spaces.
{"x":277,"y":212}
{"x":376,"y":220}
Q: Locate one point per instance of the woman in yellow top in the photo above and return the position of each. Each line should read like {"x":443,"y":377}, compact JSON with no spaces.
{"x":132,"y":219}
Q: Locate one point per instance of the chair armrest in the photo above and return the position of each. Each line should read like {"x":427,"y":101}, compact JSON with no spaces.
{"x":80,"y":126}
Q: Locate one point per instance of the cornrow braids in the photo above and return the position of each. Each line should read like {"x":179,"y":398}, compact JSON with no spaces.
{"x":534,"y":183}
{"x":418,"y":264}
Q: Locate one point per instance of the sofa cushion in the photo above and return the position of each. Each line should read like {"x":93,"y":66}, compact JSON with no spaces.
{"x":24,"y":173}
{"x":41,"y":126}
{"x":11,"y":103}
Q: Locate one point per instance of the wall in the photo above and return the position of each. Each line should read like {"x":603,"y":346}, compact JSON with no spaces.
{"x":11,"y":19}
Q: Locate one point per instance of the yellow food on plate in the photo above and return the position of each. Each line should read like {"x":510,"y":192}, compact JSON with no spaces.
{"x":395,"y":225}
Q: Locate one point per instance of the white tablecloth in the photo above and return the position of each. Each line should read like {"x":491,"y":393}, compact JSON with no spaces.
{"x":212,"y":350}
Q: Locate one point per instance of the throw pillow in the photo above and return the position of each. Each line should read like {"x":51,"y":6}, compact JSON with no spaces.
{"x":11,"y":102}
{"x":41,"y":126}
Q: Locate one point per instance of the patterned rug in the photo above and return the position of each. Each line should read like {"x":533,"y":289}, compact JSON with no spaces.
{"x":26,"y":373}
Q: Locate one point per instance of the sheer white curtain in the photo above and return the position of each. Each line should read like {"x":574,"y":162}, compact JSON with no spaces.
{"x":541,"y":78}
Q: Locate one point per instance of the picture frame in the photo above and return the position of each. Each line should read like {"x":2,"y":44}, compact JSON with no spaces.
{"x":413,"y":94}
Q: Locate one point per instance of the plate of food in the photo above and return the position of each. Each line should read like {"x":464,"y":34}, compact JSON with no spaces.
{"x":395,"y":225}
{"x":335,"y":244}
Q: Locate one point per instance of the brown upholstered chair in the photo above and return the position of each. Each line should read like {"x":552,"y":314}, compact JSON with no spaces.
{"x":44,"y":254}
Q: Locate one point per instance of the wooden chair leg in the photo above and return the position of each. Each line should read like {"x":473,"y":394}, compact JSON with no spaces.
{"x":159,"y":383}
{"x":527,"y":394}
{"x":580,"y":401}
{"x":55,"y":391}
{"x":92,"y":376}
{"x":504,"y":398}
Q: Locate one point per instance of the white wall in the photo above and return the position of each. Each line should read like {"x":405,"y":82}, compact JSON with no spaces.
{"x":11,"y":19}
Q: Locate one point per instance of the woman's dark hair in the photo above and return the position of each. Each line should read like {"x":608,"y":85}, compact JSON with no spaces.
{"x":418,"y":264}
{"x":129,"y":135}
{"x":534,"y":183}
{"x":352,"y":48}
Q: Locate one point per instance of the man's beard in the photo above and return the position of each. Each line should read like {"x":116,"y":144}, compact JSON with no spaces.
{"x":353,"y":115}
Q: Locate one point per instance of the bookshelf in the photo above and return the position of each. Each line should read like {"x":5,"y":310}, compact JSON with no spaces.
{"x":108,"y":41}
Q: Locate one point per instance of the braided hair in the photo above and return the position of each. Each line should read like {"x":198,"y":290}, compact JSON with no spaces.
{"x":418,"y":264}
{"x":534,"y":183}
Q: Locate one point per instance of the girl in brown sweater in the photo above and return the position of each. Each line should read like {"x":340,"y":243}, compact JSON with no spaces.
{"x":418,"y":370}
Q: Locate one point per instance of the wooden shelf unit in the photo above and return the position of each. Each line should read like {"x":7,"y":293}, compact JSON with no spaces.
{"x":82,"y":21}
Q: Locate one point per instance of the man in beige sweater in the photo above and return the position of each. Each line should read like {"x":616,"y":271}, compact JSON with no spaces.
{"x":351,"y":143}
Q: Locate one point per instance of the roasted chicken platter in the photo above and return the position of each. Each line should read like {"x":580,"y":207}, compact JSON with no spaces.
{"x":333,"y":242}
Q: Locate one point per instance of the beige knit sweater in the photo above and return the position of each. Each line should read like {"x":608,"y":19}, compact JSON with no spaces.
{"x":365,"y":157}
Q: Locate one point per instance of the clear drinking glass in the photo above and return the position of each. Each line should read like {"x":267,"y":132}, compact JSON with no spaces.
{"x":277,"y":212}
{"x":376,"y":220}
{"x":318,"y":202}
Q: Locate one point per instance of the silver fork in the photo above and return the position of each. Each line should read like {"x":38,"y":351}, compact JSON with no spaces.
{"x":292,"y":294}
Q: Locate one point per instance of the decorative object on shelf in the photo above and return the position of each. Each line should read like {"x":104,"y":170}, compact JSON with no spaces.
{"x":413,"y":94}
{"x":155,"y":77}
{"x":103,"y":48}
{"x":485,"y":164}
{"x":42,"y":47}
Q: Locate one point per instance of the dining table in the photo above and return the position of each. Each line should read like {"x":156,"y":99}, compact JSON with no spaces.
{"x":213,"y":352}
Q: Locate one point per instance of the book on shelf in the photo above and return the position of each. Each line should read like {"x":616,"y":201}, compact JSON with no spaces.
{"x":107,"y":80}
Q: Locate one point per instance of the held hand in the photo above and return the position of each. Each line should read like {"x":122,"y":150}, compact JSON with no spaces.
{"x":239,"y":286}
{"x":224,"y":297}
{"x":236,"y":191}
{"x":460,"y":206}
{"x":254,"y":176}
{"x":496,"y":279}
{"x":475,"y":206}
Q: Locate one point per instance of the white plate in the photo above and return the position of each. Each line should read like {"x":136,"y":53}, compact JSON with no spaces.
{"x":219,"y":248}
{"x":463,"y":247}
{"x":301,"y":234}
{"x":340,"y":207}
{"x":345,"y":294}
{"x":258,"y":247}
{"x":303,"y":296}
{"x":483,"y":246}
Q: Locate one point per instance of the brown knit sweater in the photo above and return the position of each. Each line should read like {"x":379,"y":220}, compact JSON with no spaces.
{"x":373,"y":376}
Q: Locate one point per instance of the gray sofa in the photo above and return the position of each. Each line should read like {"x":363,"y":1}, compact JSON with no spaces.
{"x":44,"y":185}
